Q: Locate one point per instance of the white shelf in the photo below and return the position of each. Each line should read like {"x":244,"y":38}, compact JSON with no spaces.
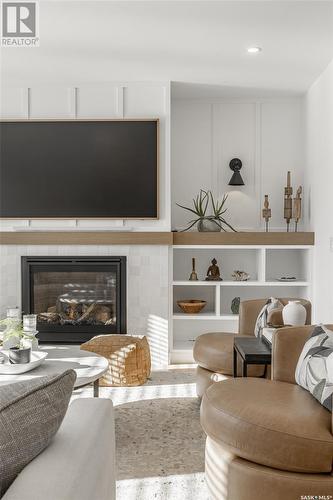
{"x":206,"y":316}
{"x":240,"y":283}
{"x":264,"y":263}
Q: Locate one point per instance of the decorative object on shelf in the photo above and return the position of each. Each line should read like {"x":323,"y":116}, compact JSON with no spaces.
{"x":266,"y":212}
{"x":236,"y":179}
{"x":287,"y":278}
{"x":19,"y":355}
{"x":208,"y":223}
{"x":240,"y":276}
{"x":191,"y":306}
{"x":294,"y":313}
{"x":235,"y":305}
{"x":213,"y":272}
{"x":297,"y":207}
{"x":193,"y":275}
{"x":288,"y":208}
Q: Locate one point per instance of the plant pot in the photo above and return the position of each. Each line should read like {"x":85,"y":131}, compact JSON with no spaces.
{"x":208,"y":225}
{"x":19,"y":356}
{"x":294,"y":313}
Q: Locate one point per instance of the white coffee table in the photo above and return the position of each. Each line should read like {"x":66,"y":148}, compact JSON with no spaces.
{"x":89,"y":367}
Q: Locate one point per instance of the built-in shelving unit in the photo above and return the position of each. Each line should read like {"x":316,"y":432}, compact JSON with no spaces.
{"x":266,"y":264}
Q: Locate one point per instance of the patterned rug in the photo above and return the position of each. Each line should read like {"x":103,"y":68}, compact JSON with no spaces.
{"x":159,"y":441}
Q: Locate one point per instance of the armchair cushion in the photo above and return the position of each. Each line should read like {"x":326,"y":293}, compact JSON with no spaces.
{"x":286,"y":428}
{"x":214,"y":352}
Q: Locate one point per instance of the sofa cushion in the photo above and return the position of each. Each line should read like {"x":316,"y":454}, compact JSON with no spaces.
{"x":269,"y":422}
{"x":214,"y":352}
{"x":30,"y":414}
{"x":314,"y":370}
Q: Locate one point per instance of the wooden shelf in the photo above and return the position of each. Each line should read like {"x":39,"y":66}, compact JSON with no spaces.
{"x":85,"y":238}
{"x":206,"y":316}
{"x":241,"y":283}
{"x":152,"y":238}
{"x":243,"y":238}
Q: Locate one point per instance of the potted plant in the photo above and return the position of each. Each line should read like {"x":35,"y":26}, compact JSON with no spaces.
{"x":15,"y":336}
{"x":213,"y":222}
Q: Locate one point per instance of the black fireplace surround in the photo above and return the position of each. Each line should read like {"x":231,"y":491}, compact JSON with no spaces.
{"x":75,"y":298}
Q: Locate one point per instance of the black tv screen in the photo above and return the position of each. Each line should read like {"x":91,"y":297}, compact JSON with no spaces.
{"x":79,"y":169}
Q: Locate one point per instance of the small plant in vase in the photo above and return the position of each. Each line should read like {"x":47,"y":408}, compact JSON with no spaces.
{"x":214,"y":222}
{"x":14,"y":335}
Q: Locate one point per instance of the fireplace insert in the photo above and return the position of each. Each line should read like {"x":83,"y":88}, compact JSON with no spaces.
{"x":75,"y":298}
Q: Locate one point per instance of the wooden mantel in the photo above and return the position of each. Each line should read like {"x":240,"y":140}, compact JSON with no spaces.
{"x":85,"y":238}
{"x":152,"y":238}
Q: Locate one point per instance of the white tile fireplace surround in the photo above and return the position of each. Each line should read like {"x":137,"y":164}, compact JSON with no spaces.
{"x":147,"y":285}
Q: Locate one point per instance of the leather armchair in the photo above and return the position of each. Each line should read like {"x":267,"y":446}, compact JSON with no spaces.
{"x":268,"y":438}
{"x":213,"y":351}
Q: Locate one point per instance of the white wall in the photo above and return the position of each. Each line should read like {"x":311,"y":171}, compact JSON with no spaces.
{"x":265,"y":134}
{"x":319,"y":185}
{"x":111,"y":100}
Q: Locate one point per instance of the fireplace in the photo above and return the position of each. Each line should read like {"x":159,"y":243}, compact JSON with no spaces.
{"x":75,"y":298}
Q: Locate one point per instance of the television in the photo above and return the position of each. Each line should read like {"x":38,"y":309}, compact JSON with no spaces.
{"x":79,"y":169}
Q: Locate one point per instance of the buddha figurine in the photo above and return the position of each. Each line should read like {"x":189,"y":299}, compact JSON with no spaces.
{"x":213,"y":272}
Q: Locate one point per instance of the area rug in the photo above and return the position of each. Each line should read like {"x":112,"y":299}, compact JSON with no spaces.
{"x":159,"y":441}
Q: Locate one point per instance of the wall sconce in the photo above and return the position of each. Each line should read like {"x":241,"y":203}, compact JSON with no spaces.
{"x":236,"y":179}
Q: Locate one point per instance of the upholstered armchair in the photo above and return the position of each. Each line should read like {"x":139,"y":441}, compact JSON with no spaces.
{"x":268,"y":439}
{"x":213,"y":351}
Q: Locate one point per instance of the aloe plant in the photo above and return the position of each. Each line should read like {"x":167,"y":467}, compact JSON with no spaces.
{"x":200,"y":207}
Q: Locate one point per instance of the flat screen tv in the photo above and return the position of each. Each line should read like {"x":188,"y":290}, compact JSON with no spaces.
{"x":79,"y":169}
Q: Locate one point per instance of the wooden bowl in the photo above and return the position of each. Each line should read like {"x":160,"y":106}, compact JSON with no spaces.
{"x":191,"y":306}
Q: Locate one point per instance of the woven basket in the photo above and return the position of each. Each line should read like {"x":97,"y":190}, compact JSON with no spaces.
{"x":128,"y":357}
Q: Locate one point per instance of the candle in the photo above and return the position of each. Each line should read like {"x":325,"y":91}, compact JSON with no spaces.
{"x":13,"y":313}
{"x":29,"y":322}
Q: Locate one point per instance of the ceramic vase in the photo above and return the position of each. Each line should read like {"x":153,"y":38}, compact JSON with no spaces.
{"x":294,"y":313}
{"x":207,"y":225}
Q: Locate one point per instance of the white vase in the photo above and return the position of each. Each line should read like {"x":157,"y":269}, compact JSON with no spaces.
{"x":294,"y":313}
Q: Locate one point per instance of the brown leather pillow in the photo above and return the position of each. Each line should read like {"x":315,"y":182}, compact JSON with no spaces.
{"x":274,"y":318}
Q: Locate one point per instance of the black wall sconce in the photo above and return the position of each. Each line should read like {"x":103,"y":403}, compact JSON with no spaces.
{"x":236,"y":179}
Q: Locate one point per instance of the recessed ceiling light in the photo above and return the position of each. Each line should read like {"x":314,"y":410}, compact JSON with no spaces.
{"x":254,"y":50}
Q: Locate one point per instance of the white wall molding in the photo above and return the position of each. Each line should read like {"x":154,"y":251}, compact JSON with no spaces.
{"x":265,"y":133}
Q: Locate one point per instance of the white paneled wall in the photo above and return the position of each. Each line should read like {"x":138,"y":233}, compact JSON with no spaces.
{"x":111,"y":100}
{"x":265,"y":134}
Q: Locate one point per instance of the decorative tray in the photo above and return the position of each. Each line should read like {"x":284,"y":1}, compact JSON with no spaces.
{"x":7,"y":368}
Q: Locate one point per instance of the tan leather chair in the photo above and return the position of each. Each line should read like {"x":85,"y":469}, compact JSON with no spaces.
{"x":268,"y":439}
{"x":213,"y":352}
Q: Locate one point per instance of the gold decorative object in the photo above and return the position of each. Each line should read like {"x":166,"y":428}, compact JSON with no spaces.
{"x":213,"y":272}
{"x":297,"y":207}
{"x":288,"y":202}
{"x":266,"y":212}
{"x":191,"y":306}
{"x":128,"y":357}
{"x":193,"y":275}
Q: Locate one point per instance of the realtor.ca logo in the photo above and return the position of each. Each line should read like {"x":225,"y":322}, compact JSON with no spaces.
{"x":20,"y":24}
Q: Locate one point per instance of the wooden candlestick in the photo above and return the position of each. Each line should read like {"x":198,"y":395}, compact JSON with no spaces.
{"x":266,"y":212}
{"x":193,"y":275}
{"x":297,"y":207}
{"x":288,"y":201}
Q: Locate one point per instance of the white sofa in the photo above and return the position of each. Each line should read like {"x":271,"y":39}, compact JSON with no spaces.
{"x":79,"y":463}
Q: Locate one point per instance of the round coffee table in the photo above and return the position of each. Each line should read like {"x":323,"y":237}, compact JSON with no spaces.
{"x":89,"y":367}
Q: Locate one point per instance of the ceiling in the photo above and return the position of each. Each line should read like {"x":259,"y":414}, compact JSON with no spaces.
{"x":200,"y":42}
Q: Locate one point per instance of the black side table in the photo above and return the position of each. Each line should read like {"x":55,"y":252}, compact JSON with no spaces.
{"x":252,"y":351}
